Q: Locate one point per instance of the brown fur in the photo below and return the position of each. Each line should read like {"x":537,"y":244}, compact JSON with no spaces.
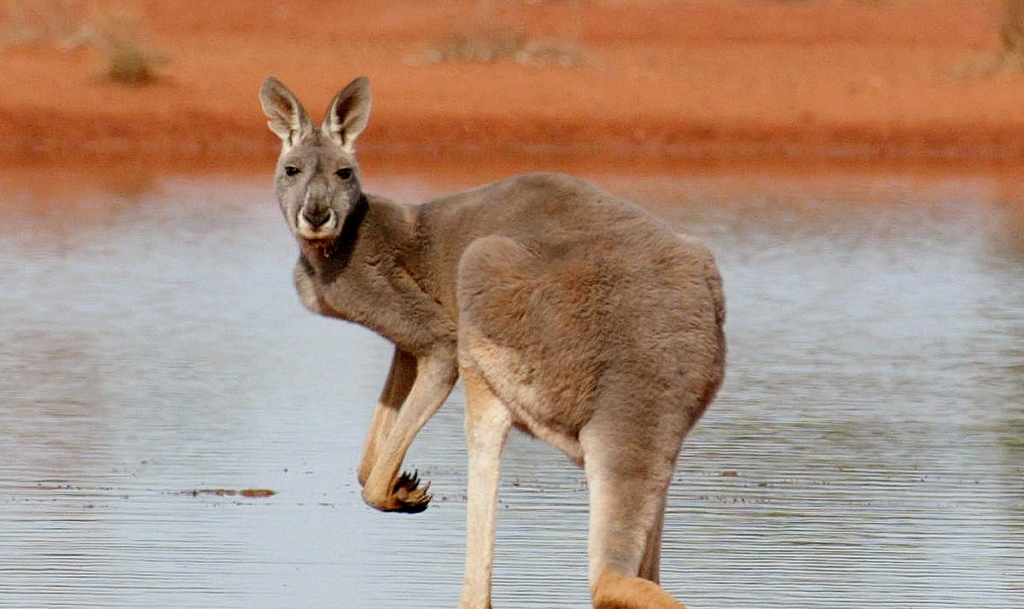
{"x":569,"y":313}
{"x":613,"y":590}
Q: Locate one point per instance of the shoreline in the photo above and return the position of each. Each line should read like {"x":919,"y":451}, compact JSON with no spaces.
{"x":696,"y":146}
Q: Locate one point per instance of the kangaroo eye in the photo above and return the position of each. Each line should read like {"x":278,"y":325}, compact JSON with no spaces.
{"x":291,"y":170}
{"x":345,"y":173}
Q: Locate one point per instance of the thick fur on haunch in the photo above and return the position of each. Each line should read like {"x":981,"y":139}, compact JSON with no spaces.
{"x":569,"y":313}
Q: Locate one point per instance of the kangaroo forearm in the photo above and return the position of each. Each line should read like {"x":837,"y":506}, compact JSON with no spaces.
{"x":396,"y":388}
{"x":435,"y":378}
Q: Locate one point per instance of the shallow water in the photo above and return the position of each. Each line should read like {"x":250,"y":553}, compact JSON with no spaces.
{"x":867,"y":448}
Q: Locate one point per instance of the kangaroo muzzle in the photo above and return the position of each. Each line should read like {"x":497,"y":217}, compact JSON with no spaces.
{"x":316,"y":221}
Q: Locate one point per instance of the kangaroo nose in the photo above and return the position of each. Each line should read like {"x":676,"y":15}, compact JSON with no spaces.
{"x":316,"y":216}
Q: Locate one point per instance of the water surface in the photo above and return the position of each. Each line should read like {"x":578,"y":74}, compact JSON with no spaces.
{"x":867,"y":448}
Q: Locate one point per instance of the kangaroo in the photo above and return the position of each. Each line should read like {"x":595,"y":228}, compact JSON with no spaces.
{"x":568,"y":313}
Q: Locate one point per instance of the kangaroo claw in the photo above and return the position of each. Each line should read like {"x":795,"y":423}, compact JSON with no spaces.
{"x":408,"y":496}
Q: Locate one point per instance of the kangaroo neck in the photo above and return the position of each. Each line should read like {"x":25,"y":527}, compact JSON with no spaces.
{"x":375,"y":230}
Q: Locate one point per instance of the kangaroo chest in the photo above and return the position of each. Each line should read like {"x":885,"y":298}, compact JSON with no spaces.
{"x":378,"y":295}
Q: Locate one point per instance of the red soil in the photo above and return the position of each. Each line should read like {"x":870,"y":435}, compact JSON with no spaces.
{"x":668,"y":80}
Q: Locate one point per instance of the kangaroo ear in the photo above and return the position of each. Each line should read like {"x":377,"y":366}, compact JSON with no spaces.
{"x":348,"y":114}
{"x":287,"y":117}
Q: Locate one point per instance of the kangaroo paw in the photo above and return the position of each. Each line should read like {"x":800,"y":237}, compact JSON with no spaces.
{"x":408,"y":496}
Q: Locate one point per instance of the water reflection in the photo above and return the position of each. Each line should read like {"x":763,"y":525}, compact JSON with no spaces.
{"x":866,"y":449}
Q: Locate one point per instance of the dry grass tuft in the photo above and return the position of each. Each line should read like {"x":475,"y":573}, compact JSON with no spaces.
{"x":73,"y":24}
{"x":1010,"y":58}
{"x":493,"y":45}
{"x":1011,"y":34}
{"x":127,"y":59}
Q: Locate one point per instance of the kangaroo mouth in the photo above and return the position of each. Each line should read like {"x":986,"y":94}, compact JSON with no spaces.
{"x":316,"y":225}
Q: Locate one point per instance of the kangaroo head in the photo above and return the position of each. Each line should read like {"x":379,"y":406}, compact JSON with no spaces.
{"x":317,"y":178}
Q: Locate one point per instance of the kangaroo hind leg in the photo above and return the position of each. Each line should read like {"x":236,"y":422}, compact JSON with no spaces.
{"x":628,"y":486}
{"x":650,"y":568}
{"x":488,"y":422}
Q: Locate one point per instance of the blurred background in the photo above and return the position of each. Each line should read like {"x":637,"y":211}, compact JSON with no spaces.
{"x":176,"y":428}
{"x":693,"y":80}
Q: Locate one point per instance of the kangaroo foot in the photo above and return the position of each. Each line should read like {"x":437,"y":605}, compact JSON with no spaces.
{"x":406,"y":496}
{"x":613,"y":590}
{"x":411,"y":497}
